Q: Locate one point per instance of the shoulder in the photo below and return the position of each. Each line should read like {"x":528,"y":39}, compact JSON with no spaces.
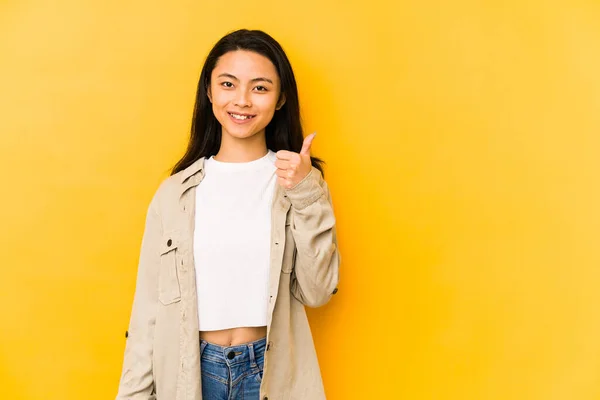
{"x":166,"y":193}
{"x":170,"y":189}
{"x":169,"y":186}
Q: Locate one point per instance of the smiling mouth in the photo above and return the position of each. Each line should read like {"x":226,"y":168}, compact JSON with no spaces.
{"x":241,"y":117}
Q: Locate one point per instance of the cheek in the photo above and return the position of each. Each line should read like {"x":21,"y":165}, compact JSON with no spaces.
{"x":221,"y":99}
{"x":266,"y":104}
{"x":216,"y":111}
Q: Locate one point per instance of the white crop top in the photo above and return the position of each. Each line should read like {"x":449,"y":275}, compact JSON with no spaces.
{"x":232,"y":239}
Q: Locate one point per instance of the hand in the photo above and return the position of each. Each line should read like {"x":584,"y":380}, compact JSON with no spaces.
{"x":293,"y":167}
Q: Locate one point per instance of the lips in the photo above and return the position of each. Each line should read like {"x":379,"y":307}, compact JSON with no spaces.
{"x":241,"y":117}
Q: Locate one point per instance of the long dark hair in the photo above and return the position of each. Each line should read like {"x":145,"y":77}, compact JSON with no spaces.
{"x":284,"y":132}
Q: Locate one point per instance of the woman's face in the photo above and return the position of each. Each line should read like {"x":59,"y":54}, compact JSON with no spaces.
{"x":244,"y":92}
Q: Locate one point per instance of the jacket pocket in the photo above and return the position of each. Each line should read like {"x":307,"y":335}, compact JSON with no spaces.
{"x":168,"y":280}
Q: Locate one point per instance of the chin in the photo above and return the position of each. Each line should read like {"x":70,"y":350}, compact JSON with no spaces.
{"x":244,"y":133}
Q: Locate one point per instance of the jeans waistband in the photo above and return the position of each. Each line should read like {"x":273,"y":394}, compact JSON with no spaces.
{"x":246,"y":352}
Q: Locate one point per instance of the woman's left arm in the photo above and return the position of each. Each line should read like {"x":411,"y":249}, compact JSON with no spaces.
{"x":316,"y":271}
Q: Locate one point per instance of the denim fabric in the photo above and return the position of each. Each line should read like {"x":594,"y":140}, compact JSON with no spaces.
{"x":232,"y":373}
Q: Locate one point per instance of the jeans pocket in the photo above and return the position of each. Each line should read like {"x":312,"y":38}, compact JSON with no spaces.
{"x":258,"y":376}
{"x":258,"y":371}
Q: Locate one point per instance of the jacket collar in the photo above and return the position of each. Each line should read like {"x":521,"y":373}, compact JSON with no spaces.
{"x":197,"y":166}
{"x":193,"y":175}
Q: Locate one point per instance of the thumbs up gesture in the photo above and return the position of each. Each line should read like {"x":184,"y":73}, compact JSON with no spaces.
{"x":293,"y":167}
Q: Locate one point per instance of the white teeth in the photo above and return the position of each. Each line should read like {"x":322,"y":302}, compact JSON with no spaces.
{"x":240,"y":117}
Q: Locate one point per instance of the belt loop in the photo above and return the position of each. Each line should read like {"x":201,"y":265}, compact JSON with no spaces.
{"x":202,"y":346}
{"x":251,"y":351}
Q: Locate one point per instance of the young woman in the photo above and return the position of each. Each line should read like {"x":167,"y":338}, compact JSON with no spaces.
{"x":237,"y":241}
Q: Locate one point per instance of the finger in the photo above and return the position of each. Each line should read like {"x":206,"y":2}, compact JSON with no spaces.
{"x":287,"y":166}
{"x":282,"y":173}
{"x":286,"y":173}
{"x":307,"y":143}
{"x":285,"y":155}
{"x":282,"y":164}
{"x":284,"y":182}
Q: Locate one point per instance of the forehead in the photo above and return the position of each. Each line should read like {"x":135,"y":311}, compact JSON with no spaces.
{"x":245,"y":65}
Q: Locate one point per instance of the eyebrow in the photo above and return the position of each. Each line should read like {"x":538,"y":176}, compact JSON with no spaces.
{"x":259,"y":79}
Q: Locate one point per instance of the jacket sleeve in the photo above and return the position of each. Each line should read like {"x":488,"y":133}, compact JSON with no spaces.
{"x":137,"y":378}
{"x":316,"y":272}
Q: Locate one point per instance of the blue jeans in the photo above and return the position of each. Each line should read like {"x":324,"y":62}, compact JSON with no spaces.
{"x":232,"y":373}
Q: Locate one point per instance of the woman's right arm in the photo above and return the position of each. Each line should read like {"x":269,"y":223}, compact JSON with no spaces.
{"x":136,"y":378}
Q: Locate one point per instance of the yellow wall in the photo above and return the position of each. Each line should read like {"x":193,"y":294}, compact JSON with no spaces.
{"x":462,"y":146}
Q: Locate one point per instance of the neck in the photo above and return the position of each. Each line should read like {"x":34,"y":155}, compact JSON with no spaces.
{"x":237,"y":150}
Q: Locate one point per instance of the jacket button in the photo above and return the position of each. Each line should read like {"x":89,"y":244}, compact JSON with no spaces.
{"x":169,"y":242}
{"x":231,"y":355}
{"x":265,"y":398}
{"x":126,"y":334}
{"x":268,"y":346}
{"x":335,"y":291}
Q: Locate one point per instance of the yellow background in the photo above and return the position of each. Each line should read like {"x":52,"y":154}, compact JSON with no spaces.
{"x":462,"y":147}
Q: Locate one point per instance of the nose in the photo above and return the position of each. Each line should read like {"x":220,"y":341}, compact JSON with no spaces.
{"x":242,"y":99}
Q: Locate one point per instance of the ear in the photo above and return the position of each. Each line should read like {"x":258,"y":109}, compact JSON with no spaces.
{"x":281,"y":101}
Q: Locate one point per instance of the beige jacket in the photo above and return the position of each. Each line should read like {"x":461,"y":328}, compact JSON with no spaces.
{"x":162,"y":352}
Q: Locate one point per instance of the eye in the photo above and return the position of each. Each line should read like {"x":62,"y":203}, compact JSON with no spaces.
{"x":227,"y":84}
{"x":261,"y":88}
